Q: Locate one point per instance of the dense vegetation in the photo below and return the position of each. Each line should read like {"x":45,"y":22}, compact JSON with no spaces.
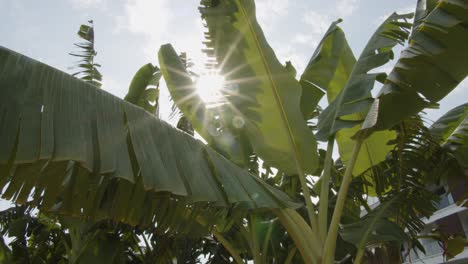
{"x":100,"y":179}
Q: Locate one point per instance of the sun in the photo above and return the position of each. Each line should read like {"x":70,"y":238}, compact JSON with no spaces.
{"x":209,"y":88}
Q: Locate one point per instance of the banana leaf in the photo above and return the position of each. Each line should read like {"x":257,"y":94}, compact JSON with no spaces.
{"x":139,"y":93}
{"x":69,"y":148}
{"x":261,"y":92}
{"x":431,"y":66}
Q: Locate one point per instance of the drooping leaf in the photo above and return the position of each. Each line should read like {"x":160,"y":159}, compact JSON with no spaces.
{"x":60,"y":136}
{"x":449,"y":122}
{"x":432,"y":65}
{"x":350,"y":106}
{"x":373,"y":228}
{"x":452,"y":131}
{"x":348,"y":91}
{"x":457,"y":143}
{"x":261,"y":91}
{"x":139,"y":93}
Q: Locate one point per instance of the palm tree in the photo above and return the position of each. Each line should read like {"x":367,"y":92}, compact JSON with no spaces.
{"x":60,"y":136}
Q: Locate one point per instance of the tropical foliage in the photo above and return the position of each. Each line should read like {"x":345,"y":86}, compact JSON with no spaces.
{"x":127,"y":187}
{"x":88,"y":69}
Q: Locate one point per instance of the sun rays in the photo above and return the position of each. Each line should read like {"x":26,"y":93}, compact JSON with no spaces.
{"x":209,"y":87}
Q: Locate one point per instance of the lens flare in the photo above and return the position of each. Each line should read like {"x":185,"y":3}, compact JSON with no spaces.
{"x":209,"y":88}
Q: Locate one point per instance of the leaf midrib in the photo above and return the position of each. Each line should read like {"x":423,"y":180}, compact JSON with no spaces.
{"x":274,"y":88}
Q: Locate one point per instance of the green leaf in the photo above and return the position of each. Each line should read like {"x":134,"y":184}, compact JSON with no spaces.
{"x":88,"y":70}
{"x":87,"y":153}
{"x":447,"y":124}
{"x":151,"y":94}
{"x":328,"y":69}
{"x":452,"y":131}
{"x":261,"y":91}
{"x":138,"y":94}
{"x":348,"y":81}
{"x":455,"y":246}
{"x":204,"y":119}
{"x":351,"y":104}
{"x":431,"y":66}
{"x":375,"y":227}
{"x":5,"y":252}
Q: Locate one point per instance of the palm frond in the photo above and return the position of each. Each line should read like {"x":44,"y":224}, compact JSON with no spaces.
{"x":87,"y":69}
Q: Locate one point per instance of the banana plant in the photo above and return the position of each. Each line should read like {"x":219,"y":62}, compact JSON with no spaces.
{"x":60,"y":135}
{"x":144,"y":88}
{"x":48,"y":111}
{"x":87,"y":68}
{"x":233,"y":33}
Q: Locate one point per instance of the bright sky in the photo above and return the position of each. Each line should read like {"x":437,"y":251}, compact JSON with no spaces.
{"x":129,"y":32}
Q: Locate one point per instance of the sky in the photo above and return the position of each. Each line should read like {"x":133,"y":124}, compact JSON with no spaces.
{"x":129,"y":33}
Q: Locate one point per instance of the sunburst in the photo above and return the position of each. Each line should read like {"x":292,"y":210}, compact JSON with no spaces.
{"x":209,"y":87}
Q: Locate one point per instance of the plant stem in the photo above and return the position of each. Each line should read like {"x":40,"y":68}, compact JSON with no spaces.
{"x":306,"y":194}
{"x":290,"y":257}
{"x":323,"y":206}
{"x":330,"y":242}
{"x":266,"y":242}
{"x":235,"y":255}
{"x":305,"y":239}
{"x":228,"y":246}
{"x":254,"y":239}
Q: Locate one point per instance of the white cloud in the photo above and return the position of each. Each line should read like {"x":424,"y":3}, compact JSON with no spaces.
{"x":84,"y":4}
{"x":318,"y":22}
{"x":289,"y":53}
{"x":147,"y":18}
{"x":268,"y":12}
{"x":269,"y":8}
{"x":346,"y":8}
{"x":302,"y":38}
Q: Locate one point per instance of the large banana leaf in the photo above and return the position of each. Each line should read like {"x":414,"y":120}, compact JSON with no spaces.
{"x":431,"y":66}
{"x":350,"y":106}
{"x":348,"y":90}
{"x":452,"y":131}
{"x":206,"y":120}
{"x":263,"y":94}
{"x":328,"y":69}
{"x":70,"y":148}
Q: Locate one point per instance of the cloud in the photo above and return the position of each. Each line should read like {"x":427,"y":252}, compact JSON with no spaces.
{"x":346,"y":8}
{"x":84,"y":4}
{"x":147,"y":18}
{"x":318,"y":22}
{"x":268,"y":12}
{"x":305,"y":39}
{"x":289,"y":53}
